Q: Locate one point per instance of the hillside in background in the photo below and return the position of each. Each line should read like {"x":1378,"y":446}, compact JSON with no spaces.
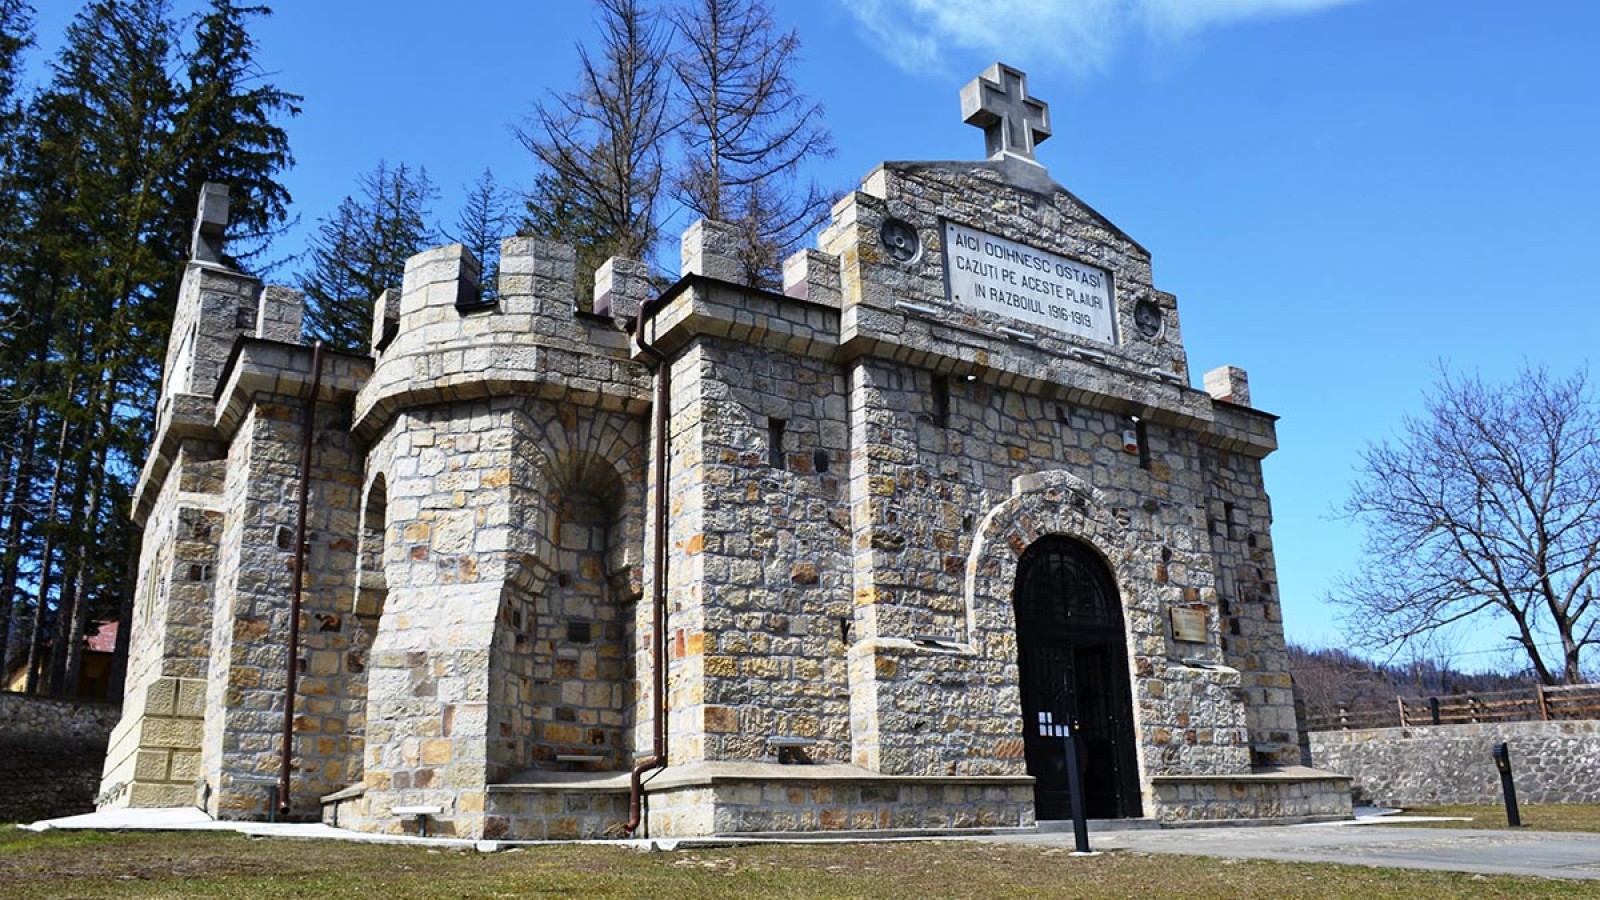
{"x":1330,"y":679}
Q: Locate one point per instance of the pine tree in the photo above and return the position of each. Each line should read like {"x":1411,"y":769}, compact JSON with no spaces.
{"x":484,"y":219}
{"x":228,"y":130}
{"x":598,"y":148}
{"x":361,"y":251}
{"x":102,"y":171}
{"x":747,"y":130}
{"x":16,"y":36}
{"x":84,"y":278}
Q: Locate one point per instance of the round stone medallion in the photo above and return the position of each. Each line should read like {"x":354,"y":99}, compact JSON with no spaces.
{"x":900,"y":239}
{"x":1147,"y":318}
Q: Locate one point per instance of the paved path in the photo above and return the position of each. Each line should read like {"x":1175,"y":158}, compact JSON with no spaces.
{"x":1537,"y":853}
{"x":1542,"y":853}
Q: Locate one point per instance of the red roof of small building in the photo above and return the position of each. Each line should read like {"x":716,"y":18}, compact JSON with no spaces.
{"x":103,"y":640}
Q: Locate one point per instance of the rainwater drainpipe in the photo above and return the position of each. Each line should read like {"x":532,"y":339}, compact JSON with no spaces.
{"x":299,"y":573}
{"x":658,"y":591}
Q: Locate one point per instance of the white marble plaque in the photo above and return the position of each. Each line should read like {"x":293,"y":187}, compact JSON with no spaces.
{"x":1043,"y":289}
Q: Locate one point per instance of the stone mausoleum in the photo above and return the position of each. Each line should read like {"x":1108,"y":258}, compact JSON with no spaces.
{"x":856,"y":555}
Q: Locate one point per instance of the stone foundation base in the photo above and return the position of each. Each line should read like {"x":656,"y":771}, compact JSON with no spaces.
{"x":1279,"y":795}
{"x":153,"y":757}
{"x":749,"y":799}
{"x":718,"y":800}
{"x":766,"y":799}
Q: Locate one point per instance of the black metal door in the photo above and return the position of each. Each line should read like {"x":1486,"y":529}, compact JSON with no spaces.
{"x":1072,"y":651}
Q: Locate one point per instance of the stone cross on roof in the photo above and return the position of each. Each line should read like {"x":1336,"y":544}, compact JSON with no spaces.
{"x":997,"y":101}
{"x":210,"y":224}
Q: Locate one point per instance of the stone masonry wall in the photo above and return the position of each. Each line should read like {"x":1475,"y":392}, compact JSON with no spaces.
{"x":938,"y":450}
{"x":153,"y":757}
{"x":922,"y":485}
{"x":155,"y":750}
{"x":510,"y":445}
{"x":761,"y":567}
{"x":51,"y":752}
{"x":1551,"y":762}
{"x":248,"y":666}
{"x":1239,"y":520}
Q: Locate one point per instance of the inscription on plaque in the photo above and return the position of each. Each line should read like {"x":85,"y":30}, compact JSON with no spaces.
{"x":1188,"y":625}
{"x":1041,"y":288}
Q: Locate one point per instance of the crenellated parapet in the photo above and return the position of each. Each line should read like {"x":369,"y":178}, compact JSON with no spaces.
{"x":439,"y":341}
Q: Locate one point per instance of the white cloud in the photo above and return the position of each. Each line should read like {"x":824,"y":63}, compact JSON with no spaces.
{"x":1078,"y":35}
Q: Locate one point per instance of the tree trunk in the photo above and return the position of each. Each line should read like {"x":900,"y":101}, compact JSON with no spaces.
{"x":11,"y":560}
{"x":72,"y":668}
{"x":36,"y":631}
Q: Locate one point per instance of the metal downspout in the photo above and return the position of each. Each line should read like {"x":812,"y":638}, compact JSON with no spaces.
{"x":658,"y":592}
{"x":298,"y":577}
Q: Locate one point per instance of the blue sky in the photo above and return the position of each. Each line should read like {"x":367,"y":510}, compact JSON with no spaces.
{"x":1342,"y":193}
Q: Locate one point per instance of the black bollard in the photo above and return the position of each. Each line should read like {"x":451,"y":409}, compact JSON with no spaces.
{"x":1080,"y":825}
{"x":1502,"y":761}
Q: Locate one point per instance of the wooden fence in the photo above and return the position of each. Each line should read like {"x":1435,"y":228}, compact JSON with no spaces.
{"x":1537,"y":704}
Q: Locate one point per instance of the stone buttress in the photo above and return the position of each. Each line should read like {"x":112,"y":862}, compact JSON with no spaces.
{"x":203,"y":706}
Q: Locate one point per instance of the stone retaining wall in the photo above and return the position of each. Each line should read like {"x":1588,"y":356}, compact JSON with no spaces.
{"x":1552,"y":762}
{"x":50,"y":755}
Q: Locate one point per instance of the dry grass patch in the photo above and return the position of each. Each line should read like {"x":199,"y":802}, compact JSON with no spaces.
{"x":210,"y":864}
{"x":1492,"y":816}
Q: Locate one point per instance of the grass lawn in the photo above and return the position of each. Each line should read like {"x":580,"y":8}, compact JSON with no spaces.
{"x":210,"y":864}
{"x":1545,"y":817}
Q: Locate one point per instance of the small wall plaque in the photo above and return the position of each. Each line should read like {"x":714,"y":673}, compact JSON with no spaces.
{"x":1188,"y":625}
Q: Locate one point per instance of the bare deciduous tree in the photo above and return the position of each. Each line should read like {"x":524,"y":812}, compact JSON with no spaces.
{"x":1486,"y":510}
{"x":599,"y":147}
{"x":747,"y":130}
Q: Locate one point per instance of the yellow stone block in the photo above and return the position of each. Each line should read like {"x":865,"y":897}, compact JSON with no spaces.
{"x":161,"y":696}
{"x":185,"y":766}
{"x":191,"y":701}
{"x":721,"y":720}
{"x":151,"y":765}
{"x":180,"y":734}
{"x":160,"y":795}
{"x":436,"y":752}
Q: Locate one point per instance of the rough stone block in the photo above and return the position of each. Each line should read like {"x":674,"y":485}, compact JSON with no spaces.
{"x":711,"y":249}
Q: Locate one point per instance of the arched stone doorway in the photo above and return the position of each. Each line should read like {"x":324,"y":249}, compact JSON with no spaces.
{"x":1073,"y":657}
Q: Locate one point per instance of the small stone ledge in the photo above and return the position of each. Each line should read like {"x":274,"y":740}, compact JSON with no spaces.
{"x":179,"y":418}
{"x":1065,"y":376}
{"x":260,"y":366}
{"x":624,"y":390}
{"x":497,"y":364}
{"x":713,"y":773}
{"x":919,"y":646}
{"x":353,"y":792}
{"x":700,"y":306}
{"x":1264,"y":775}
{"x":1265,"y":795}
